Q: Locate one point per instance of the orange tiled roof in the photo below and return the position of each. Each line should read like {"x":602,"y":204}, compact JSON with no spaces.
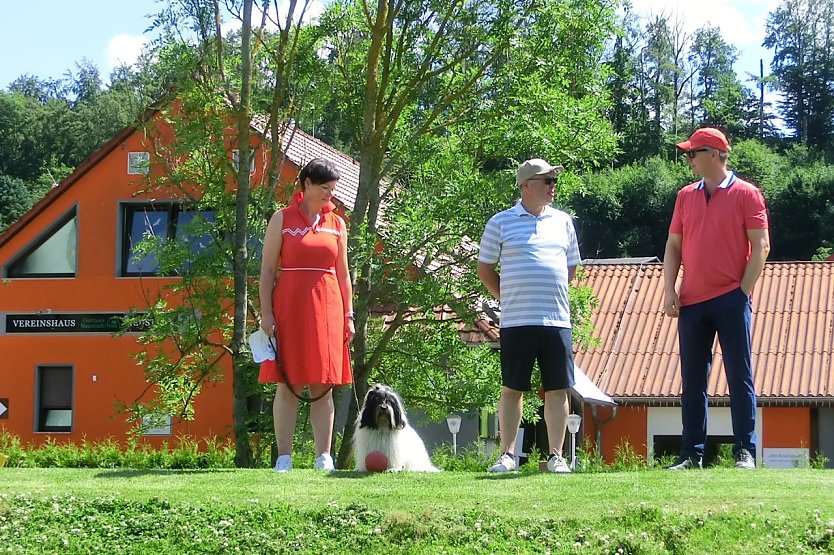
{"x":792,"y":339}
{"x":301,"y":147}
{"x":638,"y":361}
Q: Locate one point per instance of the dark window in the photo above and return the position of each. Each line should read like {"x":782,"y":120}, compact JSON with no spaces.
{"x":671,"y":446}
{"x":165,"y":222}
{"x":54,"y":399}
{"x":53,"y":254}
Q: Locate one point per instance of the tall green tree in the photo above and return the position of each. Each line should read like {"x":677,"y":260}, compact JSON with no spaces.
{"x":682,"y":71}
{"x":408,"y":67}
{"x":722,"y":100}
{"x":218,"y":84}
{"x":14,"y":200}
{"x":441,"y":93}
{"x":626,"y":113}
{"x":658,"y":76}
{"x":800,"y":34}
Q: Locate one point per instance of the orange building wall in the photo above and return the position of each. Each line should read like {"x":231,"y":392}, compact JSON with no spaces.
{"x":104,"y":375}
{"x":786,"y":427}
{"x":781,"y":427}
{"x":630,"y":424}
{"x":96,"y":288}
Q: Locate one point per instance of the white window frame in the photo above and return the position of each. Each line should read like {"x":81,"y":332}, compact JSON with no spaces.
{"x":236,"y":160}
{"x":138,"y":163}
{"x":10,"y":270}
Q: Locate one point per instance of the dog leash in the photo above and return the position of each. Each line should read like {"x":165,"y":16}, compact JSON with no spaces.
{"x":280,"y":366}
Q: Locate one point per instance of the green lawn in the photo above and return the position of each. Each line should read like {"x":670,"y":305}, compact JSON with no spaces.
{"x":257,"y":511}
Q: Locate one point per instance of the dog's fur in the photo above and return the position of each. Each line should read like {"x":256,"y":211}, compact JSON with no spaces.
{"x":382,"y":426}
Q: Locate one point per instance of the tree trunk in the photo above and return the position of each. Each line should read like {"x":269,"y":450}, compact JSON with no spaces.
{"x":370,"y":163}
{"x":243,"y":450}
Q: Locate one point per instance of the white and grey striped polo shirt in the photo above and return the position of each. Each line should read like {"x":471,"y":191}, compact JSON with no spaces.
{"x":534,"y":253}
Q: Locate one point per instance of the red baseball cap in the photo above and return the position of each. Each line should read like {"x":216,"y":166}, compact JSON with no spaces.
{"x":706,"y":136}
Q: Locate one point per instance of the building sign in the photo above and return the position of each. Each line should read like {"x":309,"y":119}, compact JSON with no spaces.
{"x":785,"y":457}
{"x":4,"y":409}
{"x":70,"y":323}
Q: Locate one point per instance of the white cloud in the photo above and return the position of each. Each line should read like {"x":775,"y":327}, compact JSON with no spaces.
{"x":124,"y":49}
{"x":741,"y":21}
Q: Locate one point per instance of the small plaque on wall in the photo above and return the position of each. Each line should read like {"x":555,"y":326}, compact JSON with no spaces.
{"x":785,"y":457}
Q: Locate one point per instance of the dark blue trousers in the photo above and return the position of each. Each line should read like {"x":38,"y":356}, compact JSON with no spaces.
{"x":729,"y":316}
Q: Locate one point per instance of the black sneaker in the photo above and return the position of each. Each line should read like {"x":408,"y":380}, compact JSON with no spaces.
{"x":686,"y":463}
{"x":745,"y":460}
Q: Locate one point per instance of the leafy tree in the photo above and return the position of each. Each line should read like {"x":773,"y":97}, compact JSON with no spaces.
{"x":14,"y":200}
{"x":444,"y":108}
{"x":799,"y":32}
{"x":682,"y":71}
{"x":658,"y":70}
{"x":219,"y":80}
{"x":801,"y":212}
{"x":20,"y":155}
{"x":627,"y":113}
{"x":85,"y":85}
{"x":405,"y":68}
{"x":46,"y":126}
{"x":720,"y":96}
{"x":624,"y":212}
{"x":34,"y":88}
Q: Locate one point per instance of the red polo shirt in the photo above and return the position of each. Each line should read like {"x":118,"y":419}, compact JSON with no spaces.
{"x":715,"y":248}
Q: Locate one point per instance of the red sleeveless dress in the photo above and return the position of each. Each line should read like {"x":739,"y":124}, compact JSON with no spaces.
{"x":307,"y":302}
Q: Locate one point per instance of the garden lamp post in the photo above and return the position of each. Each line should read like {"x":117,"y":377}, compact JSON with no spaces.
{"x":574,"y":420}
{"x":453,"y":421}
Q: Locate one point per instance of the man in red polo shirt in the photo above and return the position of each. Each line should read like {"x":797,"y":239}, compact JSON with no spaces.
{"x":719,"y":233}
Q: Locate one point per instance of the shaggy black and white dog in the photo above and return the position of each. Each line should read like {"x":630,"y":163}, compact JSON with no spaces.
{"x":382,"y":426}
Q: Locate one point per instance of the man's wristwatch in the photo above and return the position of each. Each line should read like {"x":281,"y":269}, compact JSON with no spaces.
{"x":350,"y":314}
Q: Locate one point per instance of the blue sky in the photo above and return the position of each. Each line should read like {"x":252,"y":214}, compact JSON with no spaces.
{"x":47,"y":38}
{"x":742,"y":23}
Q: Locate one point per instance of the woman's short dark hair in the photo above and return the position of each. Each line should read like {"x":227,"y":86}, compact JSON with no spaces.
{"x":318,"y":170}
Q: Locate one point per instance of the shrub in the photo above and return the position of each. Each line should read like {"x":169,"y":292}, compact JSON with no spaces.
{"x":471,"y":458}
{"x":626,"y":458}
{"x":819,"y":461}
{"x":725,"y":458}
{"x":588,"y":458}
{"x":532,"y":464}
{"x":108,"y":453}
{"x":11,"y":447}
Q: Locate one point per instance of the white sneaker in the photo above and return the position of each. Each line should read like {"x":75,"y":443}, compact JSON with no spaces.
{"x":558,"y":465}
{"x":283,"y":464}
{"x":505,"y":463}
{"x":324,"y":462}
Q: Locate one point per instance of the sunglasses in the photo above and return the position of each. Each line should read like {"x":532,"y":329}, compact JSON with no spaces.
{"x":691,"y":153}
{"x":547,"y":180}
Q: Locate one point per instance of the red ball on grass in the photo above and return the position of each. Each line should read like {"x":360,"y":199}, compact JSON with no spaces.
{"x":376,"y":461}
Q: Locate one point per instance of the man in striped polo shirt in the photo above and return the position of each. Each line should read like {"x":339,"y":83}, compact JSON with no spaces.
{"x":535,"y":245}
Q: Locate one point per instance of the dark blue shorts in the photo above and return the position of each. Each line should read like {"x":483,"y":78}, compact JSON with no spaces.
{"x":551,"y":347}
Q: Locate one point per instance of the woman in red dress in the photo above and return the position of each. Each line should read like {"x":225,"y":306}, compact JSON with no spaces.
{"x":304,"y":273}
